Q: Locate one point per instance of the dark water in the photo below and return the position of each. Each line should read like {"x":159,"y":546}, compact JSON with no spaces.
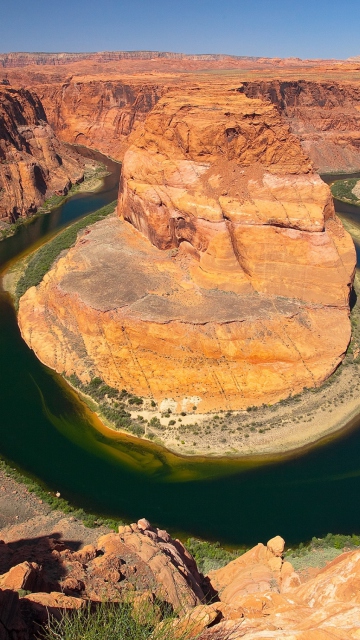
{"x":46,"y":431}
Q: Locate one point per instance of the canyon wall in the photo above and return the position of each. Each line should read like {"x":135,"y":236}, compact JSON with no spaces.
{"x":34,"y":164}
{"x":324,"y":115}
{"x":22,"y":59}
{"x":229,"y":288}
{"x":98,"y":113}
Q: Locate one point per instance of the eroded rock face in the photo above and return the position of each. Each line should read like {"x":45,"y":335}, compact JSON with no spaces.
{"x":324,"y":115}
{"x":257,"y":601}
{"x":99,"y":113}
{"x":235,"y":287}
{"x":34,"y":164}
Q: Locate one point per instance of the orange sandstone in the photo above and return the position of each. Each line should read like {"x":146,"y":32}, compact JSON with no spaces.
{"x":234,"y":288}
{"x":34,"y":164}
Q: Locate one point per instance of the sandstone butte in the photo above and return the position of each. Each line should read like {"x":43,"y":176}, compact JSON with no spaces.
{"x":258,"y":595}
{"x":34,"y":164}
{"x":229,"y":287}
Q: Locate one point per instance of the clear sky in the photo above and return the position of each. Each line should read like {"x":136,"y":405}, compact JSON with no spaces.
{"x":301,"y":28}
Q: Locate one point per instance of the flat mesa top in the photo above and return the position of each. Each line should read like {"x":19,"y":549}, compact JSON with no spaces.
{"x":114,"y":267}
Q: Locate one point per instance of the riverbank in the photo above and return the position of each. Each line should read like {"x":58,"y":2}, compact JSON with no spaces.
{"x":94,"y":175}
{"x":347,"y":191}
{"x":286,"y":428}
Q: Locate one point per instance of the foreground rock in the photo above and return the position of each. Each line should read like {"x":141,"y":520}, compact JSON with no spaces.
{"x":258,"y":595}
{"x":34,"y":164}
{"x":234,"y":289}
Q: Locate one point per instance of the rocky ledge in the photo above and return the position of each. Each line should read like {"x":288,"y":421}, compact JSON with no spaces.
{"x":258,"y":595}
{"x":229,"y":288}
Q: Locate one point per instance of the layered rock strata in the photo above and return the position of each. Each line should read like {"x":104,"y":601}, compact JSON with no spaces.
{"x":99,"y":112}
{"x":324,"y":115}
{"x":34,"y":164}
{"x":234,"y":288}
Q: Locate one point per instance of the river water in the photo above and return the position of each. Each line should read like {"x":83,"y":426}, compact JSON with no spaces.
{"x":47,"y":432}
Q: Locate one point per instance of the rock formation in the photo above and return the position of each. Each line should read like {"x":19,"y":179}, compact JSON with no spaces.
{"x":324,"y":115}
{"x":34,"y":164}
{"x":87,"y":95}
{"x":99,"y":113}
{"x":234,"y":289}
{"x":258,"y":595}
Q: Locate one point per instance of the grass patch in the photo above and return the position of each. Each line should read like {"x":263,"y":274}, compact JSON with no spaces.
{"x":320,"y":551}
{"x":342,"y":190}
{"x":43,"y":259}
{"x":211,"y":555}
{"x":116,"y":621}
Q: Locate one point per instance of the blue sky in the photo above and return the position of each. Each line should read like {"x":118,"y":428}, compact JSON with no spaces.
{"x":301,"y":28}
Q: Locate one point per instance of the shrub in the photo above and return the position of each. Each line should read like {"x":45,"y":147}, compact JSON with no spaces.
{"x":210,"y":555}
{"x":136,"y":400}
{"x":114,"y":621}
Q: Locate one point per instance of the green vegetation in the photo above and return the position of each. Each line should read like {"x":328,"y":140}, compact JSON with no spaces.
{"x":115,"y":621}
{"x":320,"y":551}
{"x":89,"y":519}
{"x":210,"y":555}
{"x":114,"y":405}
{"x":44,"y":258}
{"x":343,"y":190}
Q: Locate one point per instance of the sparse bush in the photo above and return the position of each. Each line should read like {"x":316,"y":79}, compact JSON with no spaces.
{"x":210,"y":555}
{"x":135,"y":400}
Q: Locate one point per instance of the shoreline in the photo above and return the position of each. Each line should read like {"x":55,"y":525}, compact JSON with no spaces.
{"x":284,"y":441}
{"x":285,"y":429}
{"x":92,"y":182}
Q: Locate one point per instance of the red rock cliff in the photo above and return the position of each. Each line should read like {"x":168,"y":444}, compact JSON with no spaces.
{"x":233,"y":289}
{"x":98,"y":113}
{"x":34,"y":164}
{"x":324,"y":115}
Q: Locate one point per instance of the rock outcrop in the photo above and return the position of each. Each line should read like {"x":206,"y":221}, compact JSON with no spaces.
{"x":324,"y":115}
{"x":258,"y":595}
{"x":34,"y":164}
{"x":234,"y":289}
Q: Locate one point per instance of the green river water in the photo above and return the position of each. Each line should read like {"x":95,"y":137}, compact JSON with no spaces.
{"x":47,"y":432}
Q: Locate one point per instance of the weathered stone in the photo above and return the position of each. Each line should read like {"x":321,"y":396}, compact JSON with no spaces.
{"x":34,"y":164}
{"x":253,"y":304}
{"x":22,"y":576}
